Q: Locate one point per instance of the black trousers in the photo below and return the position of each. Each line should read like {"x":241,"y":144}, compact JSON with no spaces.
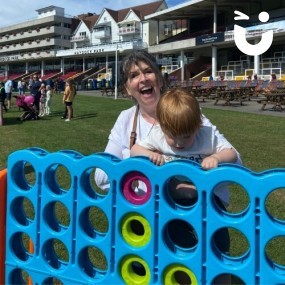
{"x":4,"y":105}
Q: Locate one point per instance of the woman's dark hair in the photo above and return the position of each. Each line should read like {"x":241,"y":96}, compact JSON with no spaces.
{"x":135,"y":57}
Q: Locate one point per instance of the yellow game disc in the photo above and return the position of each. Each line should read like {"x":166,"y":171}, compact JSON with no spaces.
{"x":136,"y":230}
{"x":176,"y":274}
{"x":135,"y":271}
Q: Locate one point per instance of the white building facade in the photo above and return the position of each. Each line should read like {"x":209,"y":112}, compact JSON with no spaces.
{"x":56,"y":42}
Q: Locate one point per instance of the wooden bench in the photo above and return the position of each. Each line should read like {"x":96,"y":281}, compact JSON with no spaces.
{"x":275,"y":99}
{"x":108,"y":91}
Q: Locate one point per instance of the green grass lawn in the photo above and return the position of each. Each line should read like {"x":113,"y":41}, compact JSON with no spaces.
{"x":258,"y":138}
{"x":86,"y":133}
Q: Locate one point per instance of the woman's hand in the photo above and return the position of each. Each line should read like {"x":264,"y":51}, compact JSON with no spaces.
{"x":154,"y":156}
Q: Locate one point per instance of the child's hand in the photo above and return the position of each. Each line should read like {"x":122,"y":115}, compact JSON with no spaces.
{"x":210,"y":162}
{"x":156,"y":158}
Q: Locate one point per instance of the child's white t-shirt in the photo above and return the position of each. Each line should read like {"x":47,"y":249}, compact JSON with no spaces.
{"x":207,"y":142}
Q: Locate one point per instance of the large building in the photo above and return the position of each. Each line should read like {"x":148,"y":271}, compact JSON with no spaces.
{"x":53,"y":44}
{"x":210,"y":34}
{"x":32,"y":46}
{"x":190,"y":40}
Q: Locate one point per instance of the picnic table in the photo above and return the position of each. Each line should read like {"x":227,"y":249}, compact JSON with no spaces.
{"x":231,"y":91}
{"x":110,"y":91}
{"x":275,"y":98}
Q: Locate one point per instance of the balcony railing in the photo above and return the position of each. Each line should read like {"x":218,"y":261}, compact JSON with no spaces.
{"x":102,"y":32}
{"x":128,"y":30}
{"x":80,"y":39}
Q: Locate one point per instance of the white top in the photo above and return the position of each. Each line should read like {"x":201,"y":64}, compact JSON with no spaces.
{"x":8,"y":86}
{"x":49,"y":95}
{"x":119,"y":139}
{"x":206,"y":143}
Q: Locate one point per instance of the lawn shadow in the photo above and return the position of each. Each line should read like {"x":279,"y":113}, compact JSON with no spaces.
{"x":12,"y":121}
{"x":85,"y":116}
{"x":76,"y":117}
{"x":56,"y":114}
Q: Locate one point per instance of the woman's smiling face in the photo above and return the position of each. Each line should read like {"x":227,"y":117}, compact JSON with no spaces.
{"x":143,"y":85}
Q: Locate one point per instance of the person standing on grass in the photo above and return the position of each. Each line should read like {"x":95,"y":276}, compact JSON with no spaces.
{"x":48,"y":99}
{"x":36,"y":92}
{"x":42,"y":100}
{"x":8,"y":90}
{"x":20,"y":87}
{"x":24,"y":86}
{"x":3,"y":96}
{"x":31,"y":81}
{"x":68,"y":98}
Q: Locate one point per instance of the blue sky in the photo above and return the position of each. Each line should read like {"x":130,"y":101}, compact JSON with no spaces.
{"x":18,"y":11}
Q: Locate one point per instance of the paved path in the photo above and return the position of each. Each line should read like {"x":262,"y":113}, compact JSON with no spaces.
{"x":247,"y":107}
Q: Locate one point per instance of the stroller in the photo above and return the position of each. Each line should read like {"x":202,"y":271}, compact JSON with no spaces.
{"x":27,"y":104}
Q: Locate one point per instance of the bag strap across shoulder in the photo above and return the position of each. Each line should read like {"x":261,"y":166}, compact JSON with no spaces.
{"x":133,"y":132}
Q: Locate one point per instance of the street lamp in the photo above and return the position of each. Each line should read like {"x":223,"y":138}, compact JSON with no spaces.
{"x":116,"y":72}
{"x":116,"y":67}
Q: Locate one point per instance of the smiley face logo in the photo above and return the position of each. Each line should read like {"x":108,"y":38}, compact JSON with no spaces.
{"x":240,"y":36}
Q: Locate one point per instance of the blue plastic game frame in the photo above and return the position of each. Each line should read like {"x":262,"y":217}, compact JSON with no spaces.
{"x":119,"y":245}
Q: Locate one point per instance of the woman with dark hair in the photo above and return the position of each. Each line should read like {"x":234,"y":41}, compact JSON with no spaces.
{"x":142,"y":80}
